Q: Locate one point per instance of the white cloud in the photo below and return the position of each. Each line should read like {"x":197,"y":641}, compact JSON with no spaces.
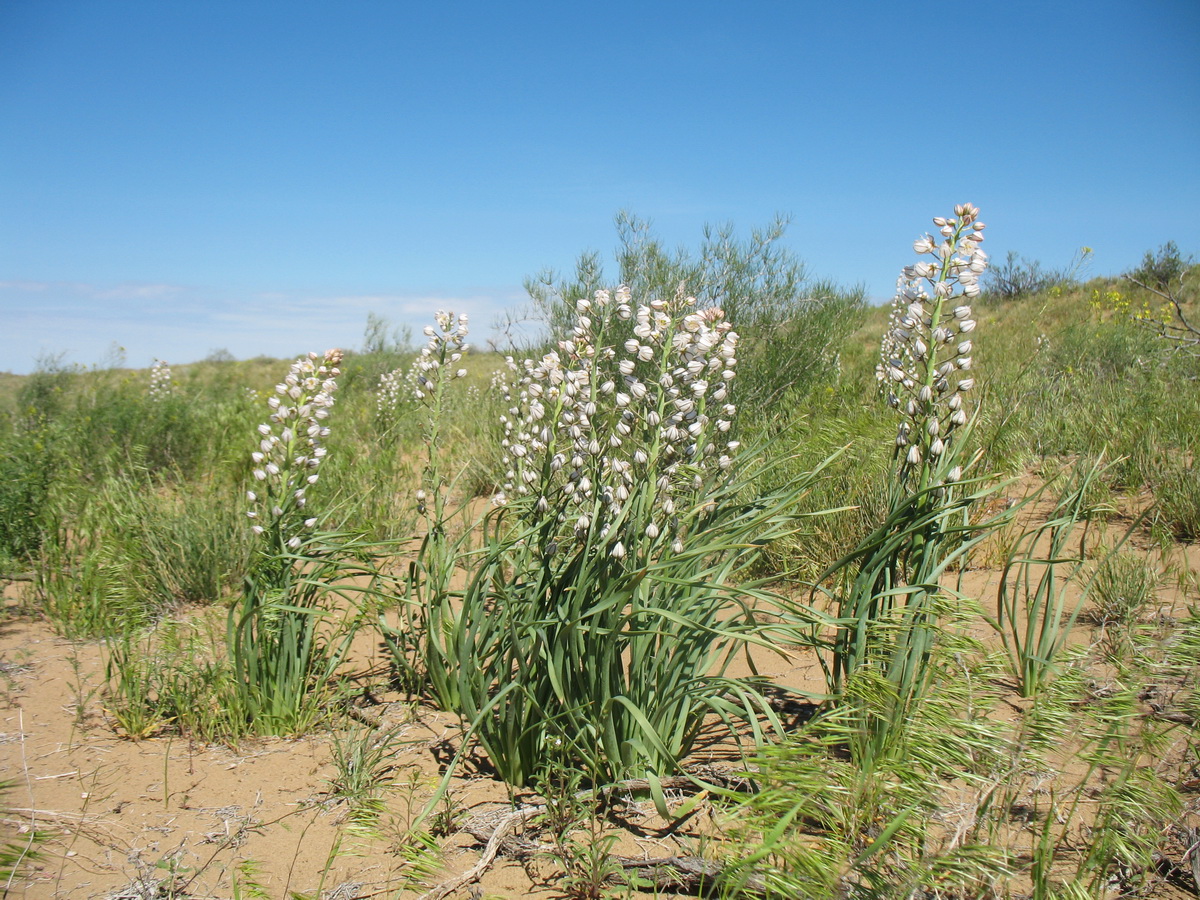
{"x":133,"y":291}
{"x":183,"y":323}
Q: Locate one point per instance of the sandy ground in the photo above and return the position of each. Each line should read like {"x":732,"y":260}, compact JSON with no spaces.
{"x":124,"y":819}
{"x":118,"y":816}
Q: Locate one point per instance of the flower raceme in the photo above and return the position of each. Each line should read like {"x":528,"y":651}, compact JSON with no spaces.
{"x":160,"y":380}
{"x":394,"y":387}
{"x":616,"y":432}
{"x":439,"y":358}
{"x":290,"y":449}
{"x":418,"y":382}
{"x":435,"y":367}
{"x":926,"y":353}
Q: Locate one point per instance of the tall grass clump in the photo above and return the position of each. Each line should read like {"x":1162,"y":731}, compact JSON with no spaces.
{"x":29,"y":465}
{"x":282,"y":660}
{"x":887,"y":591}
{"x":598,"y":613}
{"x":824,"y":825}
{"x":135,"y":550}
{"x":1034,"y":611}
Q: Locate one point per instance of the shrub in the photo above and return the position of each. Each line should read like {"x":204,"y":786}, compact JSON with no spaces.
{"x":28,"y":465}
{"x":793,"y":326}
{"x":1018,"y":277}
{"x":1162,"y":270}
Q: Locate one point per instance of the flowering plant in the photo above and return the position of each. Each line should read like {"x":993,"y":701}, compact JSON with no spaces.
{"x":290,"y":451}
{"x":599,"y":617}
{"x":390,"y":393}
{"x":436,"y":366}
{"x":623,"y":436}
{"x":160,"y":381}
{"x":926,"y":352}
{"x":280,"y":662}
{"x":888,"y":593}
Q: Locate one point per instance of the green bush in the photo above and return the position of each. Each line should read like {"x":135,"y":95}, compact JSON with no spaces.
{"x":792,"y":326}
{"x":1179,"y":502}
{"x":1163,"y":270}
{"x":29,"y":462}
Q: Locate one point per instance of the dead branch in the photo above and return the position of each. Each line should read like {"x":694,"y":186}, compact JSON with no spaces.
{"x":688,"y":875}
{"x":509,"y":823}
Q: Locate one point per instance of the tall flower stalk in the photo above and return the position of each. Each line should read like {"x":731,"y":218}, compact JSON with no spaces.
{"x":161,"y":386}
{"x":290,"y":452}
{"x":890,"y":587}
{"x":280,"y":663}
{"x":620,"y":437}
{"x":428,"y":384}
{"x":436,"y":366}
{"x":926,"y":354}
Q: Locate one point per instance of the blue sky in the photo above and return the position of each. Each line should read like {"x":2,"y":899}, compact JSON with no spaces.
{"x":258,"y":176}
